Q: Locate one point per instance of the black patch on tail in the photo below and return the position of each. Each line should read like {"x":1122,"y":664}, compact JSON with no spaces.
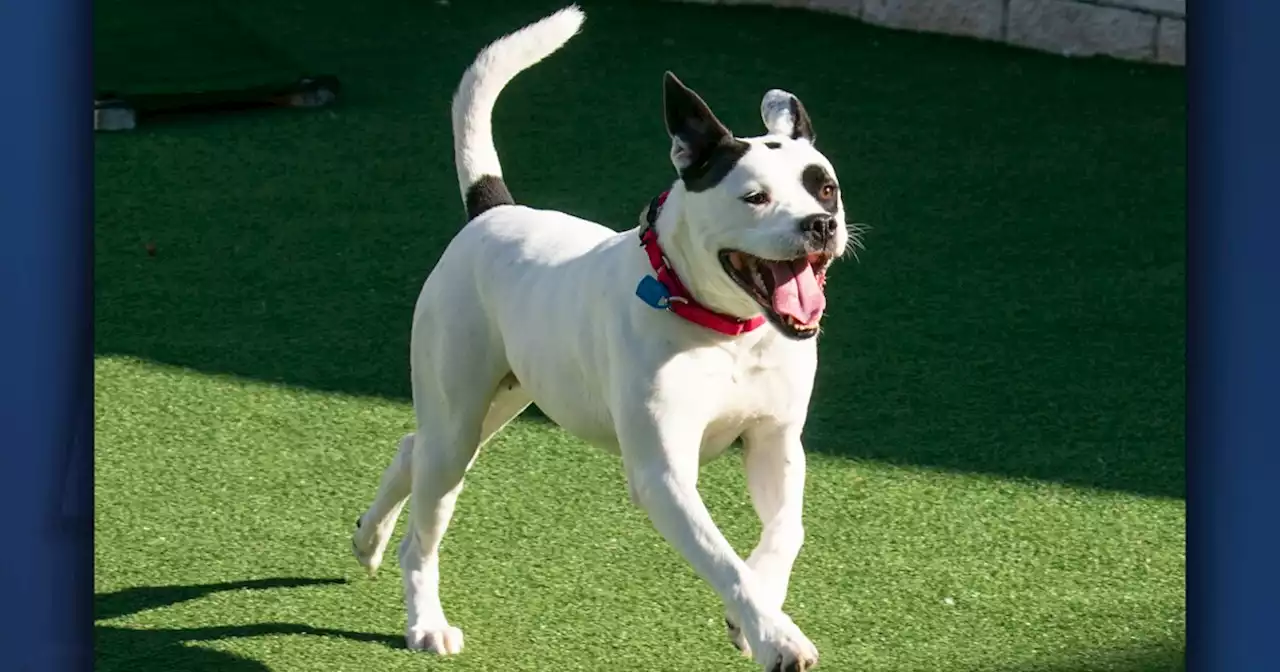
{"x":485,"y":193}
{"x":814,"y":178}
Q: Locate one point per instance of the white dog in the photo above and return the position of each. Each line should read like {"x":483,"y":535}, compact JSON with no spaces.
{"x":663,"y":344}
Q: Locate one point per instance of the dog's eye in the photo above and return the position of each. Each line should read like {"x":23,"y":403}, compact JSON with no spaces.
{"x":756,"y":198}
{"x":827,"y":192}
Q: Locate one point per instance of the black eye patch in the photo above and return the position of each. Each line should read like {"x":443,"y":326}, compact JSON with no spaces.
{"x":814,"y":178}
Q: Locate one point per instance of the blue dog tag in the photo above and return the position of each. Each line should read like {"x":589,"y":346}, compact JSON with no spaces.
{"x":653,"y":292}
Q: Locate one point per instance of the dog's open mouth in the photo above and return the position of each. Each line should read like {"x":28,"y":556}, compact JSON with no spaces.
{"x":791,"y":291}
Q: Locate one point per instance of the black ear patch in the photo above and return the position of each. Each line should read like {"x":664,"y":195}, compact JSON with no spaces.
{"x":717,"y":163}
{"x":814,"y":178}
{"x":803,"y":126}
{"x":704,"y":149}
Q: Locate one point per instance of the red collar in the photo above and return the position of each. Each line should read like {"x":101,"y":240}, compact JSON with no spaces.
{"x":666,"y":292}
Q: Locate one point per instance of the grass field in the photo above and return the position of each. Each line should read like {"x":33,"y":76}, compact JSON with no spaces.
{"x":996,"y":480}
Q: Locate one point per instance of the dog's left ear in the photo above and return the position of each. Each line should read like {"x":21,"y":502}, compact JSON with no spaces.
{"x":695,"y":132}
{"x":784,"y":114}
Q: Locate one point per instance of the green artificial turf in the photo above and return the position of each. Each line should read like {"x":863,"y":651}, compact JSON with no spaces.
{"x":996,"y":480}
{"x":147,"y":47}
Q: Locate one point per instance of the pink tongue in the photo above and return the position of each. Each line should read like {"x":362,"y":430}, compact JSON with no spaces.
{"x":796,"y":292}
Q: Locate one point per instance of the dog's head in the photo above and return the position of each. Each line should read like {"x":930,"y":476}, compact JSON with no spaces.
{"x":759,"y":219}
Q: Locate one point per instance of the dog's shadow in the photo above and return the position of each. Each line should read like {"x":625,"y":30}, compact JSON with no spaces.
{"x":138,"y":650}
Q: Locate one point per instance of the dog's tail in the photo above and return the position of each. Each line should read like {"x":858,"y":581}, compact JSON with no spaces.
{"x":479,"y":173}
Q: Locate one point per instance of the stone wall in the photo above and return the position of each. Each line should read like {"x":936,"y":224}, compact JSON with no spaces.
{"x":1137,"y":30}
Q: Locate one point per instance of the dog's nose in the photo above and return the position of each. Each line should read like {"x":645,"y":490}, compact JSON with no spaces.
{"x":820,"y":227}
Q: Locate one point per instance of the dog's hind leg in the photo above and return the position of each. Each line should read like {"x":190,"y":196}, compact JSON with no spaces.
{"x":455,"y":417}
{"x":374,"y":528}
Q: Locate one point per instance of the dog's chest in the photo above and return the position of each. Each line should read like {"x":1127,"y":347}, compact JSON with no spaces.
{"x":756,"y":391}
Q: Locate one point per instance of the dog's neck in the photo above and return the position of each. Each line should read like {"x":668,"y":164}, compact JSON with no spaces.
{"x":701,"y":273}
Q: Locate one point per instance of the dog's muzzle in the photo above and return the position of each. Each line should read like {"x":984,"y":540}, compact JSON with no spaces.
{"x":820,"y":231}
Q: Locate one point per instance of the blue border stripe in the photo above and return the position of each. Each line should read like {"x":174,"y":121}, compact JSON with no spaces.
{"x":1234,"y":432}
{"x":46,"y":432}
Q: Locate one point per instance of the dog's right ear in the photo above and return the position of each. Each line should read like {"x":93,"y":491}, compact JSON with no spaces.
{"x":695,"y":132}
{"x":784,"y":114}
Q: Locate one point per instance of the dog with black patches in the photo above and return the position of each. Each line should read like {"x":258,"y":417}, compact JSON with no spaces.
{"x":663,"y":344}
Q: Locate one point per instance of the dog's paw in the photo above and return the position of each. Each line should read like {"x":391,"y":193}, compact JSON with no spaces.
{"x":781,"y":647}
{"x":446,"y":641}
{"x":737,"y":637}
{"x":366,"y":547}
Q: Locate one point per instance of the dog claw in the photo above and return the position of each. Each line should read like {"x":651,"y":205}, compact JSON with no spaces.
{"x":798,"y":665}
{"x":783,"y":649}
{"x":370,"y":568}
{"x":442,"y":642}
{"x":736,"y":638}
{"x":369,"y":558}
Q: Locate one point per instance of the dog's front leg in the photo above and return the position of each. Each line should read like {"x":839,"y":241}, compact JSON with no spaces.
{"x":775,"y":466}
{"x":662,"y":472}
